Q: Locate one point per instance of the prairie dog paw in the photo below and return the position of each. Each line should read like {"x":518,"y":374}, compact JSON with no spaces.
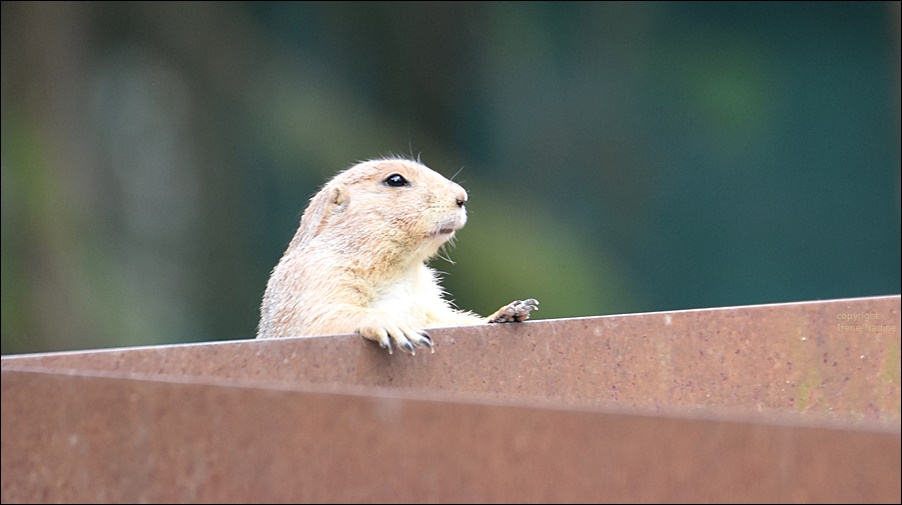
{"x":514,"y":312}
{"x":404,"y":337}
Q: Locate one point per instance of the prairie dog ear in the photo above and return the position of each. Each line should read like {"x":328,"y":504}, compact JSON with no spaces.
{"x":330,"y":201}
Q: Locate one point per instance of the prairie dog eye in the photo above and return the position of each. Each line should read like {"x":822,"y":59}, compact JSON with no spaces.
{"x":396,"y":181}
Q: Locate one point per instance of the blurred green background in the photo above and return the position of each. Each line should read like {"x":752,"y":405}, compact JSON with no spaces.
{"x":620,"y":157}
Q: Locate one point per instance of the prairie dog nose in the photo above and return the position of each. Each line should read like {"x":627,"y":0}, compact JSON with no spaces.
{"x":460,"y":194}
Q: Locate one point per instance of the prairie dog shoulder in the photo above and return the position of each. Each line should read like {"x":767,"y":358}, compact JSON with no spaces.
{"x":357,"y":260}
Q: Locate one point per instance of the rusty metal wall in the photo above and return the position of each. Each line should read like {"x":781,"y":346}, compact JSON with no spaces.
{"x":761,"y":403}
{"x":784,"y":357}
{"x":88,"y":439}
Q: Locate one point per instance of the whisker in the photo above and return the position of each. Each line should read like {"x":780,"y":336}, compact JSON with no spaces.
{"x":444,"y":254}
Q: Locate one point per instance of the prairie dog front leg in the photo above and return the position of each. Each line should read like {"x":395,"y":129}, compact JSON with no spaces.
{"x":514,"y":312}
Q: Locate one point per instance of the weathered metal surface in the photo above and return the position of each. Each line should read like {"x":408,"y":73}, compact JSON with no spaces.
{"x":792,"y":402}
{"x":82,"y":438}
{"x":815,"y":358}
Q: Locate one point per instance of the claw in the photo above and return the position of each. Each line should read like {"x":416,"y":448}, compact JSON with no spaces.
{"x":408,"y":346}
{"x":405,"y":338}
{"x":427,"y":340}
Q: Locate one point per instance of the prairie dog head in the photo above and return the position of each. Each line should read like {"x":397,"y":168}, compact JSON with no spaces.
{"x":397,"y":210}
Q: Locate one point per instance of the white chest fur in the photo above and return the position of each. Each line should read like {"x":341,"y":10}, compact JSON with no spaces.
{"x":415,"y":292}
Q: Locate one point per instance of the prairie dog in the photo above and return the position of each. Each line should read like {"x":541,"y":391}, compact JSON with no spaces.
{"x":357,"y":263}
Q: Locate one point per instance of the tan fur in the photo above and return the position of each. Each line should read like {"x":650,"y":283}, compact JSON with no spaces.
{"x":357,"y":261}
